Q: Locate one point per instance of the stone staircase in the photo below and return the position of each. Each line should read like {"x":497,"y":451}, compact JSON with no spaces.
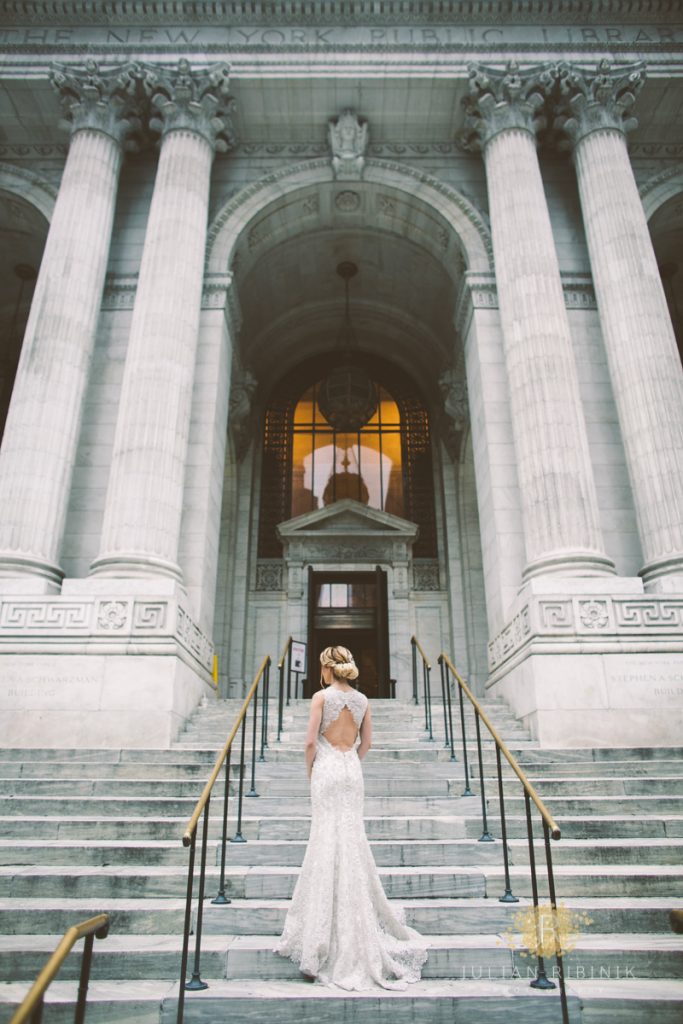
{"x":90,"y":831}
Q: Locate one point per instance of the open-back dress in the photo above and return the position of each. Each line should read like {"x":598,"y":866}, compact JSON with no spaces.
{"x":341,"y":928}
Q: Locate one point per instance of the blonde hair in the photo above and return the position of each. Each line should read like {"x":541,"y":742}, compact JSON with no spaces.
{"x":340,"y":660}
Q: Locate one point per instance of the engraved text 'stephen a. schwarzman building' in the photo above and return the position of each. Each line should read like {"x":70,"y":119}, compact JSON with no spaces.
{"x":345,"y":321}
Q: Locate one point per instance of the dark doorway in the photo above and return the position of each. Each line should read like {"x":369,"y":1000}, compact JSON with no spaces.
{"x":350,"y":609}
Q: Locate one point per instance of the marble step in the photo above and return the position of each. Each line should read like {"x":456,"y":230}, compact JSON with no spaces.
{"x":242,"y":881}
{"x":431,"y":916}
{"x":465,"y":957}
{"x":155,"y":788}
{"x":509,"y":1001}
{"x":286,"y":852}
{"x":262,"y":881}
{"x":294,"y":827}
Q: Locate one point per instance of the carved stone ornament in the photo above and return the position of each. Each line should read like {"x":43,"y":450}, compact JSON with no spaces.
{"x":500,"y":100}
{"x":196,"y":101}
{"x":240,"y":418}
{"x":603,"y":100}
{"x":107,"y":100}
{"x":348,"y":138}
{"x":455,"y":412}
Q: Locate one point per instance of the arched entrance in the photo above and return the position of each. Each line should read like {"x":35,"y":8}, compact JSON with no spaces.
{"x":282,"y":239}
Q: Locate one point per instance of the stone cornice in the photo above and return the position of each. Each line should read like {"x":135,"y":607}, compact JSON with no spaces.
{"x":338,"y":12}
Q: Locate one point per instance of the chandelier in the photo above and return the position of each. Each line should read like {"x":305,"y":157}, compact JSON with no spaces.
{"x":347,"y":397}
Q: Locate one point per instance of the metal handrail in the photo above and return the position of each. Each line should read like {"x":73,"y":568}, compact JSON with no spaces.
{"x":426,"y":682}
{"x":32,"y":1005}
{"x":286,"y":656}
{"x":555,"y":831}
{"x":202,"y":808}
{"x":550,"y":826}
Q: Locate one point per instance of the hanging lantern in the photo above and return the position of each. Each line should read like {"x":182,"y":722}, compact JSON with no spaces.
{"x":347,"y":397}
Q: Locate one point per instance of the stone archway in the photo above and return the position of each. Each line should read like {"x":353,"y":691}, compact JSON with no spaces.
{"x":438,"y":235}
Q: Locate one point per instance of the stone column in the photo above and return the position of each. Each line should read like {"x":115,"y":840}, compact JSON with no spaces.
{"x":43,"y":424}
{"x":141,"y":529}
{"x":557,"y":492}
{"x":643,"y":359}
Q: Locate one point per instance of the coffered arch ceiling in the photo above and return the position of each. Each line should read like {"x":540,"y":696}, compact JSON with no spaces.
{"x":402,"y":300}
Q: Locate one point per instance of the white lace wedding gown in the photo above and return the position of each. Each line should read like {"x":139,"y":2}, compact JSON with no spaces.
{"x":341,"y":927}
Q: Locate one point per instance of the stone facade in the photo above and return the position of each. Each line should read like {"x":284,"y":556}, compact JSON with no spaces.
{"x":509,"y":184}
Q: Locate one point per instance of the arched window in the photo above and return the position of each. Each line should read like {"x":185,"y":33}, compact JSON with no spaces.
{"x":308,"y":465}
{"x":328,"y":465}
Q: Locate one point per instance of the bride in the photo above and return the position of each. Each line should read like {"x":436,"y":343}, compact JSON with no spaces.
{"x":341,"y":929}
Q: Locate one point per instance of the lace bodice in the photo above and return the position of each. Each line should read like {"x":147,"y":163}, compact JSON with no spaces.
{"x":335,"y":700}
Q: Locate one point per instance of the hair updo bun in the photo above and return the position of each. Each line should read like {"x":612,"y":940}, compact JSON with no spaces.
{"x":340,"y":660}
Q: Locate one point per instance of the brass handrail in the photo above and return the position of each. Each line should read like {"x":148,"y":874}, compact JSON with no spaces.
{"x":543,"y":810}
{"x":420,"y":648}
{"x":285,"y":649}
{"x":97,"y":926}
{"x":202,"y":809}
{"x":206,"y":792}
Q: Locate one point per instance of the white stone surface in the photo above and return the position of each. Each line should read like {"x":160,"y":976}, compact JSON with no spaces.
{"x":557,"y":491}
{"x":602,"y":700}
{"x":141,"y":528}
{"x":644,"y":362}
{"x":37,"y":459}
{"x":94,"y":701}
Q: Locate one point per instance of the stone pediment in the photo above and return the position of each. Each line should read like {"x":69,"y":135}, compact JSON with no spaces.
{"x":347,"y":518}
{"x":347,"y":533}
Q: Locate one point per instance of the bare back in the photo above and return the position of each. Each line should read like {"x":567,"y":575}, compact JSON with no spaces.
{"x":342,"y":716}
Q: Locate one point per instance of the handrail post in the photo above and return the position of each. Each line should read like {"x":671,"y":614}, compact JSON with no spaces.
{"x":84,"y":980}
{"x":221,"y":898}
{"x":280,"y":699}
{"x":238,"y":837}
{"x":541,"y":980}
{"x":553,"y":910}
{"x":289,"y":672}
{"x":265,"y":711}
{"x":413,"y":644}
{"x":507,"y":896}
{"x":186,"y":927}
{"x":485,"y":836}
{"x":426,"y":683}
{"x":466,"y":791}
{"x":443,"y":701}
{"x":446,"y":696}
{"x":254,"y":711}
{"x":195,"y":983}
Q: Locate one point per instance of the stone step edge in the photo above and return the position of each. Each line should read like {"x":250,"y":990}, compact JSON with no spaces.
{"x":630,"y":942}
{"x":214,"y":842}
{"x":157,"y":992}
{"x":78,"y":904}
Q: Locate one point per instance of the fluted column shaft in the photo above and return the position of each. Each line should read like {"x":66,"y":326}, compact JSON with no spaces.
{"x":643,"y":359}
{"x":43,"y":423}
{"x":557,"y":491}
{"x":141,"y":529}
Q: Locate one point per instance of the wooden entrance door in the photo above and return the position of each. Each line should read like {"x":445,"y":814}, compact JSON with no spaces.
{"x":350,"y":609}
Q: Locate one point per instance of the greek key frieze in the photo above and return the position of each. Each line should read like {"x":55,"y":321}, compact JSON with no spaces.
{"x":48,"y":616}
{"x":547,"y":620}
{"x":661,"y":615}
{"x":191,"y":636}
{"x":150,"y":615}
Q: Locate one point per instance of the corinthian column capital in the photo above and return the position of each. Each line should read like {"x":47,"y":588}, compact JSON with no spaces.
{"x":599,"y":101}
{"x":195,"y":101}
{"x":504,"y":99}
{"x":104,"y":100}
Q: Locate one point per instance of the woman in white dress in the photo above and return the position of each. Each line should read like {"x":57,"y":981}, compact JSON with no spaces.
{"x":341,"y":929}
